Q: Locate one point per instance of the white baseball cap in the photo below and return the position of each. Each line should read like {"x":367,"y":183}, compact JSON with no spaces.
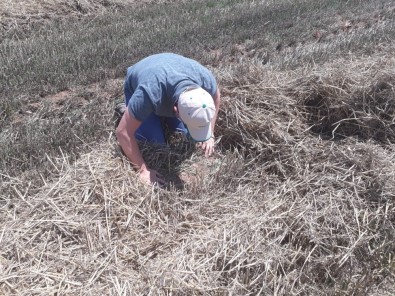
{"x":196,"y":108}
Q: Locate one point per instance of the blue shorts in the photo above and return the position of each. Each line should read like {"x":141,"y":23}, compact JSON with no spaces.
{"x":152,"y":129}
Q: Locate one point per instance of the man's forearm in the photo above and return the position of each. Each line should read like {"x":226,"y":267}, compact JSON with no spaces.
{"x":131,"y":149}
{"x":217,"y":103}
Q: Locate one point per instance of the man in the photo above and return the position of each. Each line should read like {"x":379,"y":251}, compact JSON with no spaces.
{"x":171,"y":89}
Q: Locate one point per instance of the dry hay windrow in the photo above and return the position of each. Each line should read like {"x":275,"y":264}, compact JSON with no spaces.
{"x":351,"y":101}
{"x":287,"y":210}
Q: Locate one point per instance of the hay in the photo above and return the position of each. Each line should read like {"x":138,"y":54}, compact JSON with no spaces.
{"x":355,"y":99}
{"x":298,"y":200}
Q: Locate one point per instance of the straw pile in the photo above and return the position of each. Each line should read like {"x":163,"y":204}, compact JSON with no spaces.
{"x":298,"y":200}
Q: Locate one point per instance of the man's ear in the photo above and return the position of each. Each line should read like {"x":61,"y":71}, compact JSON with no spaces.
{"x":175,"y":109}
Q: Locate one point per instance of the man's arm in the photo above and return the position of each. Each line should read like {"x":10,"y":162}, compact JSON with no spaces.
{"x":217,"y":103}
{"x":208,"y":146}
{"x":126,"y":139}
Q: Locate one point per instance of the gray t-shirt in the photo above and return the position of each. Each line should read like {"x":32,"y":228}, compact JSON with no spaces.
{"x":155,"y":83}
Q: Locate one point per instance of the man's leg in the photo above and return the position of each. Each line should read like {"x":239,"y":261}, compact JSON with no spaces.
{"x":176,"y":125}
{"x":151,"y":130}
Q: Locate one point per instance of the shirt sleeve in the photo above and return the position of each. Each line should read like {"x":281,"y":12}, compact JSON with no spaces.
{"x":140,"y":105}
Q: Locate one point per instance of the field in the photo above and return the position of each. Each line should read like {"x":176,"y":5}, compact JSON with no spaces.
{"x":298,"y":199}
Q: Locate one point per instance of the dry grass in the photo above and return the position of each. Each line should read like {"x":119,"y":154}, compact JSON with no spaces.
{"x":299,"y":199}
{"x":25,"y":13}
{"x":46,"y":8}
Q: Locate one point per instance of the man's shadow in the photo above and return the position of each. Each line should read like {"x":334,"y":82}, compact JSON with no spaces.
{"x":168,"y":159}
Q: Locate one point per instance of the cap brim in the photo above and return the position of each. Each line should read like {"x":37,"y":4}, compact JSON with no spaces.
{"x":200,"y":134}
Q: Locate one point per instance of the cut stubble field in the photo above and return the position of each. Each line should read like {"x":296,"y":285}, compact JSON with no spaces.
{"x":299,"y":198}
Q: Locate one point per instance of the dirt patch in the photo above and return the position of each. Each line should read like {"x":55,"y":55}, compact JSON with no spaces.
{"x":75,"y":98}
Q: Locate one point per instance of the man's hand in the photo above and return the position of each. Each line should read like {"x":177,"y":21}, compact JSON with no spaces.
{"x":207,"y":146}
{"x":152,"y":177}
